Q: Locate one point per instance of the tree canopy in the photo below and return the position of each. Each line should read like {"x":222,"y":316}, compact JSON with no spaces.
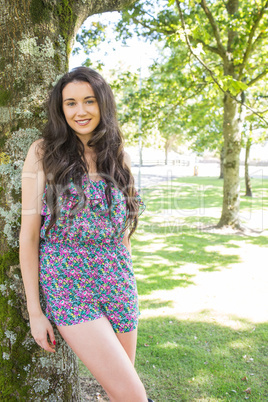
{"x":213,"y":58}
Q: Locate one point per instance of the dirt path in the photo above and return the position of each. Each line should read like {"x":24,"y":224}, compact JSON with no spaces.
{"x":91,"y":390}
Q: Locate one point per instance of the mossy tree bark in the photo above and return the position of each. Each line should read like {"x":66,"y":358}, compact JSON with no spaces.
{"x":36,"y":38}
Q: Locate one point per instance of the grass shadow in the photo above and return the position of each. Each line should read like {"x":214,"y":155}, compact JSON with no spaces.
{"x":159,"y":258}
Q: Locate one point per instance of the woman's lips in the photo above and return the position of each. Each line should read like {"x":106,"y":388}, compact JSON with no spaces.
{"x":83,"y":122}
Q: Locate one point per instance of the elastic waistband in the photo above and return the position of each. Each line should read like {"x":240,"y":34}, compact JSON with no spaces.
{"x":77,"y":243}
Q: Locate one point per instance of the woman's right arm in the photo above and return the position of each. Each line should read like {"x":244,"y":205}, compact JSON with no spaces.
{"x":33,"y":184}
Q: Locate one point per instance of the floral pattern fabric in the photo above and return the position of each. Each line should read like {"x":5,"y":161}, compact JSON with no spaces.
{"x":85,"y":270}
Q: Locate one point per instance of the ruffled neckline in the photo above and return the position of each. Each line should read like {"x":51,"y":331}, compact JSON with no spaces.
{"x":86,"y":177}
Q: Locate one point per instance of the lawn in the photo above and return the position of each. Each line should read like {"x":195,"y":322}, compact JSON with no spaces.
{"x":203,"y":324}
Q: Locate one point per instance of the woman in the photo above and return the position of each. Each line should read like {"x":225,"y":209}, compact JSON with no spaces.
{"x":79,"y":209}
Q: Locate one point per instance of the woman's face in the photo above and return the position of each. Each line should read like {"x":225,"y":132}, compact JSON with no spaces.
{"x":81,"y":109}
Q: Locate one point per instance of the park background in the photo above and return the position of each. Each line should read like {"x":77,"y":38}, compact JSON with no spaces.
{"x":201,"y":273}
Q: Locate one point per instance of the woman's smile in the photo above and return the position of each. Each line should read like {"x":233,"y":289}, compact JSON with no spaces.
{"x":83,"y":122}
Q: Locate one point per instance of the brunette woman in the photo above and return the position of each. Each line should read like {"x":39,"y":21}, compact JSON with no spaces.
{"x":79,"y":209}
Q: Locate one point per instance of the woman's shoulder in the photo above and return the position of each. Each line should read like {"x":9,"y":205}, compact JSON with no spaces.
{"x":34,"y":156}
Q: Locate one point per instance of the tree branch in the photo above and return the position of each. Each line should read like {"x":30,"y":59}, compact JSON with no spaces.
{"x":183,"y":100}
{"x":215,"y":28}
{"x":84,"y":8}
{"x":250,"y":39}
{"x":259,"y":76}
{"x":192,"y":51}
{"x":263,"y":111}
{"x":261,"y":36}
{"x":210,"y":48}
{"x":153,"y":29}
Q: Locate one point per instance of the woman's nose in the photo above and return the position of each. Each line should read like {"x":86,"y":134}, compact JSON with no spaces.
{"x":81,"y":110}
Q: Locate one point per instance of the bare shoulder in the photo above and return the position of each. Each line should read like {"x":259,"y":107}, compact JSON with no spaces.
{"x":127,"y":159}
{"x":33,"y":161}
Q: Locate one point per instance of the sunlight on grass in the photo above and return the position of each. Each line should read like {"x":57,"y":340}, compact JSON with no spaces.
{"x":169,"y":345}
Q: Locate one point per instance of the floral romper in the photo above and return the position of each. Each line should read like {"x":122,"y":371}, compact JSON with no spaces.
{"x":85,"y":270}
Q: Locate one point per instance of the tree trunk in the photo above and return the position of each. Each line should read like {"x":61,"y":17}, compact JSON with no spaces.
{"x":168,"y":144}
{"x":36,"y":38}
{"x":247,"y":178}
{"x":221,"y":164}
{"x":232,"y":129}
{"x":166,"y":152}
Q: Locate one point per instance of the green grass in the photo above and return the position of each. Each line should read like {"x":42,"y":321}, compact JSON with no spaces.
{"x":202,"y":326}
{"x":198,"y":360}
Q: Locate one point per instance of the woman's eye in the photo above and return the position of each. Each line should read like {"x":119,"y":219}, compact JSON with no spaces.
{"x":70,"y":104}
{"x":90,"y":102}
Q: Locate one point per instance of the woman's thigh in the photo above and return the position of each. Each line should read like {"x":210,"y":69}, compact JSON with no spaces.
{"x":103,"y":353}
{"x":129,"y":342}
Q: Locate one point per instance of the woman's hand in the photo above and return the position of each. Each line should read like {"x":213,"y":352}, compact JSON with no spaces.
{"x":41,"y":329}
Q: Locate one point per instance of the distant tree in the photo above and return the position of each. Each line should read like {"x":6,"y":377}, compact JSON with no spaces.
{"x":255,"y":130}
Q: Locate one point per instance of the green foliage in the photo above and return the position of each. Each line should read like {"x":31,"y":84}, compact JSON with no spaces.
{"x":230,"y":84}
{"x":91,"y":38}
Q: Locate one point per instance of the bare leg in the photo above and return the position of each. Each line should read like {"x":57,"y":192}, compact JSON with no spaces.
{"x":98,"y":347}
{"x":129,"y":342}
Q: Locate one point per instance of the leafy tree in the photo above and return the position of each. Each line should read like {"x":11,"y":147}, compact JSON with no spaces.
{"x":226,"y":43}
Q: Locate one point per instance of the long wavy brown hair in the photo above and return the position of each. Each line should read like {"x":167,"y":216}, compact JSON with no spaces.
{"x":63,"y":152}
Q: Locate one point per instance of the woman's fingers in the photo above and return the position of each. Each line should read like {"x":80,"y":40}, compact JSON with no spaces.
{"x":41,"y":330}
{"x":51,"y":336}
{"x":45,"y":345}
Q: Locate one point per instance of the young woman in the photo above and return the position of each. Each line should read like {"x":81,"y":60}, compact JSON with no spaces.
{"x":79,"y":209}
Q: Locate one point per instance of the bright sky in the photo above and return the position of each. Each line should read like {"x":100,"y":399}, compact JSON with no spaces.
{"x":137,"y":52}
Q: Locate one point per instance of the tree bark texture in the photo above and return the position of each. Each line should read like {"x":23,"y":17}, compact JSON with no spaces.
{"x":232,"y":130}
{"x":221,"y":163}
{"x":247,"y":177}
{"x":36,"y":37}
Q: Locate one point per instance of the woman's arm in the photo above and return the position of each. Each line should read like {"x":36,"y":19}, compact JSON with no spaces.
{"x":33,"y":183}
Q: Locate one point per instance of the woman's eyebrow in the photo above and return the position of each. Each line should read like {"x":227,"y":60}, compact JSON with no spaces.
{"x":87,"y":97}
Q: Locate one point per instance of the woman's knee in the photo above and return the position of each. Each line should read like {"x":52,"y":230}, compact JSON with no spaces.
{"x":134,"y":392}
